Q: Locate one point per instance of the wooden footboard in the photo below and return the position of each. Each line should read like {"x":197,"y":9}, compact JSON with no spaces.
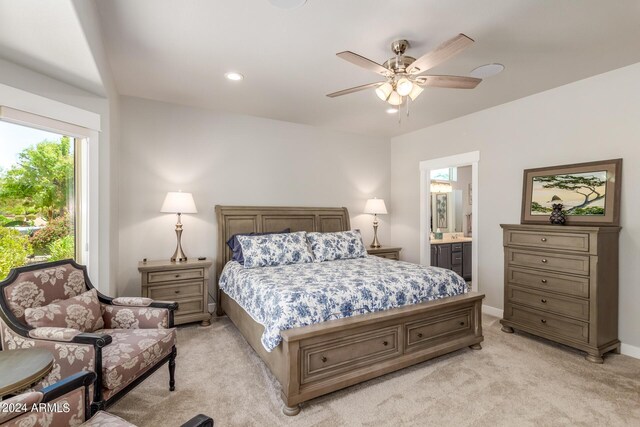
{"x":315,"y":360}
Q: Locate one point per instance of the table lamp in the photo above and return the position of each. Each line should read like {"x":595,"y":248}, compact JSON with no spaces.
{"x":178,"y":202}
{"x":376,"y":207}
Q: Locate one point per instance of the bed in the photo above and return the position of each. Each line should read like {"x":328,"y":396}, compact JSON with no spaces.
{"x":350,"y":346}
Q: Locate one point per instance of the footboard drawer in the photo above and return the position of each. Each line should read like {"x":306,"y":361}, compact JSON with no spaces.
{"x":335,"y":356}
{"x":437,"y":329}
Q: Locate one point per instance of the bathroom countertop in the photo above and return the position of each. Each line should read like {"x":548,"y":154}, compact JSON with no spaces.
{"x":450,"y":240}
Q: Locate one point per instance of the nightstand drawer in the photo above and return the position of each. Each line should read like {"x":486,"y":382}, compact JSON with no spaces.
{"x":574,"y":264}
{"x":173,"y":275}
{"x":565,"y":306}
{"x":388,"y":255}
{"x":189,"y":306}
{"x":555,"y":282}
{"x":548,"y":323}
{"x":174,"y":292}
{"x":549,"y":240}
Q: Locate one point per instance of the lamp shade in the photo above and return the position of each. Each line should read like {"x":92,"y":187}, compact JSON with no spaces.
{"x":375,"y":206}
{"x":383,"y":91}
{"x":179,"y":202}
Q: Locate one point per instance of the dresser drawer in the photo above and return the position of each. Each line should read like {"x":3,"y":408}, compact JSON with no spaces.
{"x":553,"y":240}
{"x":336,"y":356}
{"x":173,"y":275}
{"x":173,"y":292}
{"x":566,"y":306}
{"x":570,"y":285}
{"x":430,"y":332}
{"x":574,"y":264}
{"x":547,"y":323}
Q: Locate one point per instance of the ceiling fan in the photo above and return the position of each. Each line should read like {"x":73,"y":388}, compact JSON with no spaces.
{"x":404,"y":74}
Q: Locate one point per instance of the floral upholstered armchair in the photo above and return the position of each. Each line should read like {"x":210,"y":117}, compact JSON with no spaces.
{"x":66,"y":403}
{"x":55,"y":306}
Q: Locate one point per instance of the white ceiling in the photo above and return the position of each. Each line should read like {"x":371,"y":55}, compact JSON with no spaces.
{"x":178,"y":52}
{"x":46,"y":36}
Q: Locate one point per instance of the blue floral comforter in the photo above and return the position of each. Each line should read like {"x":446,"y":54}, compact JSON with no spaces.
{"x":290,"y":296}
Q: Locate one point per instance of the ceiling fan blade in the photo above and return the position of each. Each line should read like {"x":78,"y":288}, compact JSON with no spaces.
{"x":353,"y":89}
{"x":455,"y":82}
{"x":440,"y":54}
{"x":363,"y":62}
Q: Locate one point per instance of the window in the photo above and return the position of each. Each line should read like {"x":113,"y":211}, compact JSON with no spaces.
{"x":447,"y":174}
{"x":39,"y":179}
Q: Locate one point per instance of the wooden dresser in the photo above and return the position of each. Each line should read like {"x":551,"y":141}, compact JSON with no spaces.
{"x":186,"y":283}
{"x":561,"y":283}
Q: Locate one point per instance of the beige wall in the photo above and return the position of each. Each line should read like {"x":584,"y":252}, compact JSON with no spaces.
{"x":593,"y":119}
{"x":232,"y":159}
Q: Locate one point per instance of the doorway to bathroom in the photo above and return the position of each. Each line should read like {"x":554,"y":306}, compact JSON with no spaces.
{"x":449,"y":214}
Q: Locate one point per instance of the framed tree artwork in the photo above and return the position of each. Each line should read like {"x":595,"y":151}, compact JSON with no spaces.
{"x":441,"y":211}
{"x":589,"y":193}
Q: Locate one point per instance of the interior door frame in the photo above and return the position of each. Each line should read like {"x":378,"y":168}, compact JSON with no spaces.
{"x":472,"y":159}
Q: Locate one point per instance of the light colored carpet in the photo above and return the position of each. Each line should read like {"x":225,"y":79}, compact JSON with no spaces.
{"x":515,"y":379}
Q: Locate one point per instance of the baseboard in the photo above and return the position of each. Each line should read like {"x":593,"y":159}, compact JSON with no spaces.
{"x":212,"y":307}
{"x":626,"y":349}
{"x":492,"y":311}
{"x":630,"y":350}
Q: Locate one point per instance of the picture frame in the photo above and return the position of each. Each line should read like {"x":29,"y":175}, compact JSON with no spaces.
{"x":590,"y":193}
{"x":441,"y":211}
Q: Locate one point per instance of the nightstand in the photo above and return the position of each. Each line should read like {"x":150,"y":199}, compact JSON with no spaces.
{"x":385,"y":252}
{"x":186,"y":283}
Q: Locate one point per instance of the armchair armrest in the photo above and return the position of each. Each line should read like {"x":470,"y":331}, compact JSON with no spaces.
{"x":132,"y":301}
{"x":169,"y":305}
{"x":54,"y":334}
{"x":64,"y":386}
{"x":96,"y":340}
{"x":199,"y":421}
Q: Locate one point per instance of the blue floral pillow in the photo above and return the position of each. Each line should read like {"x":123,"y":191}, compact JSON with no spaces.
{"x":275,"y":249}
{"x":339,"y":245}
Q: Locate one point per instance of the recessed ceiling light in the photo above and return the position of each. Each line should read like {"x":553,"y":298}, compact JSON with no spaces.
{"x":287,"y":4}
{"x":234,"y":76}
{"x":487,"y":70}
{"x":392,"y":110}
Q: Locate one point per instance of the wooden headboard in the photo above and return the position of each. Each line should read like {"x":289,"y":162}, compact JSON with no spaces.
{"x":246,"y":219}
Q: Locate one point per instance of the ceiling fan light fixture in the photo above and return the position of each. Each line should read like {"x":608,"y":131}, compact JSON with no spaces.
{"x":404,"y":86}
{"x":392,"y":110}
{"x":395,"y":98}
{"x":415,"y":92}
{"x":383,"y":91}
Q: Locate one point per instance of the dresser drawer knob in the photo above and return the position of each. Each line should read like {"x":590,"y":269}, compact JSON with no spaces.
{"x":544,"y":239}
{"x":385,"y":343}
{"x":177,"y":275}
{"x":543,"y":320}
{"x":544,"y":301}
{"x":462,"y":323}
{"x":177,"y":292}
{"x":544,"y":280}
{"x":544,"y":260}
{"x":324,"y":359}
{"x":419,"y":334}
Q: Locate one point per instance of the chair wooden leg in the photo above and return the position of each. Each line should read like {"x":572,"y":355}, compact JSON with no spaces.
{"x":172,"y":370}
